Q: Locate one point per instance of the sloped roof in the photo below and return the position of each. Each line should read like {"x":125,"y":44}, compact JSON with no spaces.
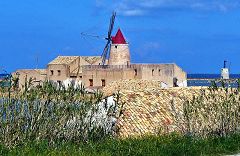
{"x":118,"y":38}
{"x":91,"y":59}
{"x":64,"y":59}
{"x":152,"y":111}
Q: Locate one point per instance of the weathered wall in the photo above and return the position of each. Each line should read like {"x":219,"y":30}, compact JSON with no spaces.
{"x":38,"y":76}
{"x":109,"y":75}
{"x":161,"y":72}
{"x":65,"y":69}
{"x":181,"y":76}
{"x":119,"y":54}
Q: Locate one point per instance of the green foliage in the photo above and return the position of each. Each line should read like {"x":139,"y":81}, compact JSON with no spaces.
{"x":172,"y":145}
{"x":50,"y":113}
{"x":51,"y":120}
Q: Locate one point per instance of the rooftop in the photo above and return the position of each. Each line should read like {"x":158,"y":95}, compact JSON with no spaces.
{"x":64,"y":59}
{"x":91,"y":59}
{"x":118,"y":38}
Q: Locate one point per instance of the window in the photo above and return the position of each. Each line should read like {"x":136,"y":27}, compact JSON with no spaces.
{"x":59,"y":72}
{"x":127,"y":63}
{"x":175,"y":80}
{"x":91,"y":82}
{"x":80,"y":77}
{"x":135,"y":70}
{"x":159,"y":72}
{"x":152,"y":72}
{"x":51,"y":72}
{"x":115,"y":46}
{"x":103,"y":83}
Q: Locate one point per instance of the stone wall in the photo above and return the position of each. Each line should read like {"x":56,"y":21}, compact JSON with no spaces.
{"x":108,"y":75}
{"x":119,"y":54}
{"x":157,"y":72}
{"x":56,"y":75}
{"x":37,"y":76}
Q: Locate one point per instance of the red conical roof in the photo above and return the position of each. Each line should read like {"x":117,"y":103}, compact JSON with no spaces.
{"x":118,"y":38}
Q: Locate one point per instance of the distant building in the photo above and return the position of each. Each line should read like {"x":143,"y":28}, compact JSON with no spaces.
{"x":90,"y":71}
{"x":34,"y":76}
{"x":225,"y":71}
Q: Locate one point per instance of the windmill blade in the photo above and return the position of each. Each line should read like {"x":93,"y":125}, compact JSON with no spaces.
{"x":106,"y":48}
{"x":105,"y":52}
{"x":112,"y":20}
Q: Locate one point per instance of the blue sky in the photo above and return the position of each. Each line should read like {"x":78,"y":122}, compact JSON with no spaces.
{"x":198,"y":35}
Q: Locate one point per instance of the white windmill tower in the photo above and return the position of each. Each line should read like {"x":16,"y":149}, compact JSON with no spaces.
{"x":116,"y":50}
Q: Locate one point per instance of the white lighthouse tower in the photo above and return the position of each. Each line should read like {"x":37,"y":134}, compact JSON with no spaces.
{"x":225,"y":72}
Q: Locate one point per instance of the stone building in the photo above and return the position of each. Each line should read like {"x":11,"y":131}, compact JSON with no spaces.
{"x":33,"y":76}
{"x":90,"y":71}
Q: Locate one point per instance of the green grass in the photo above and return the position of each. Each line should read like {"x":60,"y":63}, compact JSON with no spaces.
{"x":160,"y":145}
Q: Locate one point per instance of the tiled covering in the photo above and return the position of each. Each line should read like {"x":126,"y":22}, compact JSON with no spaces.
{"x":131,"y":84}
{"x":64,"y":59}
{"x":91,"y":59}
{"x":152,"y":111}
{"x":146,"y":108}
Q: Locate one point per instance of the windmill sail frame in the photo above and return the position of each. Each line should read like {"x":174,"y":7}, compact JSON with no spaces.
{"x":109,"y":39}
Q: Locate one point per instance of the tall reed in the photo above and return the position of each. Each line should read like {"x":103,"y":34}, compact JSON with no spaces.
{"x":53,"y":113}
{"x":213,"y":112}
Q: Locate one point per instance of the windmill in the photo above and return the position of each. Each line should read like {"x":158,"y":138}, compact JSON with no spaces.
{"x":109,"y":39}
{"x":106,"y":49}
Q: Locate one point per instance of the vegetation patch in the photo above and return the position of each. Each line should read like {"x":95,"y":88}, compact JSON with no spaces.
{"x":172,"y":144}
{"x":53,"y":120}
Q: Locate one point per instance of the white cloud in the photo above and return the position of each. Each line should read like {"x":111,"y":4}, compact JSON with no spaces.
{"x":151,"y":45}
{"x":142,"y":7}
{"x":132,"y":12}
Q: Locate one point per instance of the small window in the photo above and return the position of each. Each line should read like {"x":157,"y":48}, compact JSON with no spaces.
{"x":91,"y":82}
{"x":153,"y":72}
{"x":159,"y":72}
{"x":103,"y":82}
{"x":80,"y":77}
{"x":51,"y":72}
{"x":128,"y":63}
{"x":59,"y":72}
{"x":175,"y":80}
{"x":135,"y":71}
{"x":115,"y":46}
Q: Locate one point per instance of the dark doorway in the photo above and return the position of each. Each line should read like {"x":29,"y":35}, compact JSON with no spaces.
{"x":103,"y":82}
{"x":91,"y":82}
